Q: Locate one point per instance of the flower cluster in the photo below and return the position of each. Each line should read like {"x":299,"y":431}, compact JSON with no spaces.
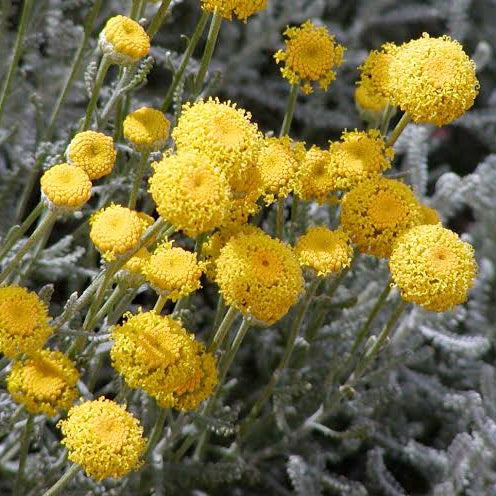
{"x":242,"y":9}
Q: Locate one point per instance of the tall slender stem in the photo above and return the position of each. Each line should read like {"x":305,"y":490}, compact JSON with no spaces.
{"x":159,"y":305}
{"x":139,"y":172}
{"x":290,"y":108}
{"x":16,"y":55}
{"x":403,"y":122}
{"x":26,"y":438}
{"x":280,"y":218}
{"x":156,"y":431}
{"x":213,"y":33}
{"x":193,"y":42}
{"x":222,"y":330}
{"x":56,"y":489}
{"x":158,"y":19}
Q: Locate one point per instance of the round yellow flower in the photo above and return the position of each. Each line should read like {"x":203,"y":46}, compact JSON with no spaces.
{"x":157,"y":354}
{"x":44,"y":383}
{"x":433,"y":80}
{"x":259,"y":275}
{"x":433,"y":267}
{"x":428,"y":215}
{"x":242,"y":9}
{"x":358,"y":156}
{"x":324,"y":251}
{"x":116,"y":230}
{"x":103,"y":438}
{"x":189,"y":192}
{"x":93,"y":152}
{"x":315,"y":180}
{"x":173,"y":272}
{"x":311,"y":55}
{"x":225,"y":135}
{"x":24,"y":321}
{"x":65,"y":187}
{"x":124,"y":40}
{"x":147,"y":129}
{"x":278,"y":163}
{"x":377,"y":212}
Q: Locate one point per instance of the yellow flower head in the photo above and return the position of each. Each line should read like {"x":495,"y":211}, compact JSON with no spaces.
{"x":147,"y":129}
{"x":173,"y":271}
{"x":93,"y":152}
{"x":103,"y":438}
{"x":377,"y":212}
{"x":259,"y":275}
{"x":278,"y":163}
{"x":433,"y":267}
{"x":433,"y":80}
{"x":24,"y":320}
{"x":116,"y":230}
{"x":225,"y":135}
{"x":65,"y":187}
{"x":428,"y":215}
{"x":131,"y":274}
{"x":44,"y":383}
{"x":324,"y":251}
{"x":189,"y":192}
{"x":157,"y":354}
{"x":358,"y":156}
{"x":315,"y":179}
{"x":311,"y":55}
{"x":124,"y":40}
{"x":242,"y":9}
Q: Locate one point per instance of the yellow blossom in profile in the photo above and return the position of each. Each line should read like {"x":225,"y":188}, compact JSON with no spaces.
{"x":93,"y":152}
{"x":428,"y":215}
{"x":242,"y":9}
{"x":278,"y":163}
{"x":157,"y":354}
{"x":65,"y":187}
{"x":103,"y":438}
{"x":116,"y":230}
{"x":311,"y":55}
{"x":189,"y":192}
{"x":44,"y":383}
{"x":123,"y":40}
{"x":315,"y":180}
{"x":173,"y":272}
{"x":377,"y":212}
{"x":147,"y":129}
{"x":358,"y":156}
{"x":24,"y":318}
{"x":324,"y":251}
{"x":433,"y":80}
{"x":259,"y":275}
{"x":432,"y":267}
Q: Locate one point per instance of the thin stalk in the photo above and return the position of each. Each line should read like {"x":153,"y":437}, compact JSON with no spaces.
{"x":280,"y":218}
{"x":160,"y":304}
{"x":219,"y":312}
{"x":195,"y":38}
{"x":386,"y":119}
{"x":181,"y":305}
{"x":26,"y":438}
{"x":290,"y":108}
{"x":294,"y":216}
{"x":405,"y":119}
{"x":103,"y":68}
{"x":45,"y":225}
{"x":213,"y":33}
{"x":135,"y":7}
{"x":63,"y":481}
{"x":158,"y":19}
{"x":112,"y":300}
{"x":156,"y":431}
{"x":28,"y":188}
{"x":222,"y":330}
{"x":16,"y":55}
{"x":133,"y":197}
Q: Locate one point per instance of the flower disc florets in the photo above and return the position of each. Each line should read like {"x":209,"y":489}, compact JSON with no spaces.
{"x":24,"y":321}
{"x":433,"y":267}
{"x":147,"y":129}
{"x":44,"y":383}
{"x":242,"y":9}
{"x":259,"y":275}
{"x":93,"y":152}
{"x":311,"y":55}
{"x":103,"y":438}
{"x":123,"y":40}
{"x":377,"y":212}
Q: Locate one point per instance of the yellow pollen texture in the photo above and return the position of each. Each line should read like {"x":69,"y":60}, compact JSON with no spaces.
{"x":147,"y":129}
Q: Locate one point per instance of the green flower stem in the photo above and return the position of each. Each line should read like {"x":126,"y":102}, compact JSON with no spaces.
{"x":280,"y":218}
{"x":26,"y":438}
{"x":56,"y":489}
{"x":160,"y":304}
{"x":103,"y":68}
{"x":213,"y":33}
{"x":16,"y":55}
{"x":290,"y":108}
{"x":193,"y":42}
{"x":294,"y":217}
{"x":111,"y":302}
{"x":44,"y":226}
{"x":222,"y":330}
{"x":139,"y":173}
{"x":301,"y":311}
{"x":387,"y":113}
{"x":135,"y":8}
{"x":156,"y":431}
{"x":158,"y":19}
{"x":219,"y":312}
{"x":75,"y":66}
{"x":16,"y":232}
{"x":405,"y":119}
